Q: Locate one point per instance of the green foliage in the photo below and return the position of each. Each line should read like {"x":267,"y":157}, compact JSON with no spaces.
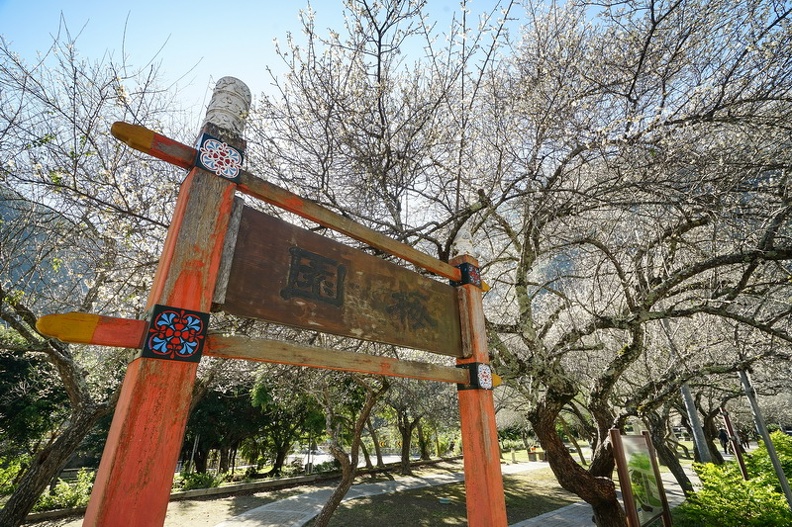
{"x":65,"y":495}
{"x":14,"y":297}
{"x":8,"y":336}
{"x":197,"y":480}
{"x":285,"y":420}
{"x":328,"y":466}
{"x":41,"y":141}
{"x":727,"y":500}
{"x":512,"y":444}
{"x":9,"y":470}
{"x":30,"y":399}
{"x":759,"y":465}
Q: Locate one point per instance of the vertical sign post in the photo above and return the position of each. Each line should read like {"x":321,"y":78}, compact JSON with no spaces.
{"x":136,"y":471}
{"x":486,"y":504}
{"x":750,"y":393}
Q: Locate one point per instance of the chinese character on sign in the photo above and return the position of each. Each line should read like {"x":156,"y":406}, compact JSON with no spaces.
{"x":410,"y":310}
{"x":315,"y":277}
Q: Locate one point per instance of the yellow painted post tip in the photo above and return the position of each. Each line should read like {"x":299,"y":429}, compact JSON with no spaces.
{"x":138,"y":137}
{"x":69,"y":327}
{"x":46,"y":324}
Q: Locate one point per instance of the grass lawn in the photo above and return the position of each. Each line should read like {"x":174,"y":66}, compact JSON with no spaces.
{"x":527,"y":495}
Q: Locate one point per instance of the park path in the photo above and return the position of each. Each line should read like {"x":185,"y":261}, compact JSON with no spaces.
{"x":296,"y":511}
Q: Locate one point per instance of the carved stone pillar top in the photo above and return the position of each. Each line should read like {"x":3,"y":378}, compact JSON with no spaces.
{"x":229,"y":106}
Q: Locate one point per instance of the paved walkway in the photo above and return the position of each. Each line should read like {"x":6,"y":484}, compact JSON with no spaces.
{"x":579,"y":514}
{"x":296,"y":511}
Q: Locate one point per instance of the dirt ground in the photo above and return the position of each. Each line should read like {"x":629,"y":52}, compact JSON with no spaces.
{"x":198,"y":513}
{"x":211,"y":511}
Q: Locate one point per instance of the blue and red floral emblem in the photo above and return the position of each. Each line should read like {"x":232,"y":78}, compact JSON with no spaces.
{"x":176,"y":334}
{"x":218,"y":157}
{"x":470,"y":275}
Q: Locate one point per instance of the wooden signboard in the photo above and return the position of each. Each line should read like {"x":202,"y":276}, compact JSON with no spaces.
{"x":639,"y":479}
{"x":277,"y":272}
{"x":288,"y":275}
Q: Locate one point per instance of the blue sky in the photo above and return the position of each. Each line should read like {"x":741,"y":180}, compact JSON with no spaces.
{"x":197,"y":41}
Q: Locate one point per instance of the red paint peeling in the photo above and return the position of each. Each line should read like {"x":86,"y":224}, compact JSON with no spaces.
{"x":292,"y":203}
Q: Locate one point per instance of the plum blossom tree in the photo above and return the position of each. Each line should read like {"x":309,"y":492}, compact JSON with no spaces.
{"x":624,"y":162}
{"x":81,"y":229}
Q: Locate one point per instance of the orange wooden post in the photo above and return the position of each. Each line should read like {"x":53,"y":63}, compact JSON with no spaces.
{"x":135,"y":475}
{"x":486,"y":502}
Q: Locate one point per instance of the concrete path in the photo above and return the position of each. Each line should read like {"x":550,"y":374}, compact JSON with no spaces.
{"x":298,"y":510}
{"x":579,"y":514}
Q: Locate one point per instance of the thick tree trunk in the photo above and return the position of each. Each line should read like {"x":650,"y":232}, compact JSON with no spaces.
{"x":225,"y":459}
{"x":406,"y":428}
{"x":280,"y":459}
{"x":201,"y":460}
{"x":597,"y":491}
{"x":48,"y":463}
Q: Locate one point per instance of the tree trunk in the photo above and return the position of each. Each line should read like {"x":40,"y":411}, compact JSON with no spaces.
{"x":224,"y":460}
{"x":599,"y":492}
{"x":657,"y":432}
{"x":366,"y":456}
{"x":201,"y":460}
{"x":377,"y":449}
{"x":48,"y":463}
{"x":406,"y":428}
{"x":332,"y":503}
{"x":423,"y":445}
{"x":572,"y":439}
{"x":348,"y":466}
{"x":280,"y":458}
{"x":524,"y":436}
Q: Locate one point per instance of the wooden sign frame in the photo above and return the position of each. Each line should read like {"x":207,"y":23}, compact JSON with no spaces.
{"x":133,"y":482}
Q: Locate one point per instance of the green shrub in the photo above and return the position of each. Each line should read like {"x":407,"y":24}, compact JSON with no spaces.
{"x":9,"y":470}
{"x":196,"y":480}
{"x":512,"y":444}
{"x":65,"y":495}
{"x":328,"y":466}
{"x":727,"y":500}
{"x":758,"y":462}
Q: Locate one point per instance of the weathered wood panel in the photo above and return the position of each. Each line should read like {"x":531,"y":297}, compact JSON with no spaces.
{"x":282,"y":273}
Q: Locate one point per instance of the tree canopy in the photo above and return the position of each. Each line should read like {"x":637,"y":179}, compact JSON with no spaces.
{"x":621,"y":166}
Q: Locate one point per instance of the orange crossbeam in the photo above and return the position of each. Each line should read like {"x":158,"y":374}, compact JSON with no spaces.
{"x":179,"y":154}
{"x":85,"y":328}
